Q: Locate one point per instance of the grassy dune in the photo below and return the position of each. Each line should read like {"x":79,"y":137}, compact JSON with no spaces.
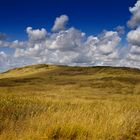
{"x":44,"y":102}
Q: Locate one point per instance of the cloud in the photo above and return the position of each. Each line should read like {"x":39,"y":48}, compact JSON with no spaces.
{"x":3,"y":61}
{"x":133,"y":37}
{"x":134,"y":44}
{"x":2,"y":36}
{"x":70,"y":46}
{"x":108,"y":41}
{"x":2,"y":56}
{"x":67,"y":40}
{"x":120,"y":30}
{"x":60,"y":23}
{"x":135,"y":50}
{"x":36,"y":35}
{"x":135,"y":18}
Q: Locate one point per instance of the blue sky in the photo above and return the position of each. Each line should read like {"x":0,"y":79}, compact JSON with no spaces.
{"x":104,"y":29}
{"x":90,"y":16}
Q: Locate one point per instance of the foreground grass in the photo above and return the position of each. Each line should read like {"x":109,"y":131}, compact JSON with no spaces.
{"x":70,"y":104}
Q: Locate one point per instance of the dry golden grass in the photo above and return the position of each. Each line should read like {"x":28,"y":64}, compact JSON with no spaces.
{"x":70,"y":103}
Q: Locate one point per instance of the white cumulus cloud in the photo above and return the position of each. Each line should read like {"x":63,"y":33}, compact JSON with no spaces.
{"x":36,"y":35}
{"x":60,"y":23}
{"x":135,"y":19}
{"x":70,"y":46}
{"x":133,"y":36}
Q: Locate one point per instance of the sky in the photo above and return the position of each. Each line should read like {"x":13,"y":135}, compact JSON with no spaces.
{"x":69,"y":32}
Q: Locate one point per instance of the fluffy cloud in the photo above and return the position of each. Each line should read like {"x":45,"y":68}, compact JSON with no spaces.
{"x":60,"y":23}
{"x":134,"y":44}
{"x":3,"y":61}
{"x":36,"y":35}
{"x":67,"y":40}
{"x":70,"y":47}
{"x":73,"y":47}
{"x":133,"y":36}
{"x":2,"y":56}
{"x":108,"y":41}
{"x":135,"y":19}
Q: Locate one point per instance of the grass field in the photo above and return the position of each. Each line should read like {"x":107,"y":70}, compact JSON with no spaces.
{"x":44,"y":102}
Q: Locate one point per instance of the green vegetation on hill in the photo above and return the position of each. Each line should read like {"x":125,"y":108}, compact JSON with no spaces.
{"x":48,"y":102}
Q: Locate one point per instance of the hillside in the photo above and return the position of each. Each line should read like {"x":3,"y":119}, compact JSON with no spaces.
{"x":48,"y":102}
{"x":94,"y":79}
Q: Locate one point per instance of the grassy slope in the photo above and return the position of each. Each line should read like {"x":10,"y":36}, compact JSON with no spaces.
{"x":56,"y":102}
